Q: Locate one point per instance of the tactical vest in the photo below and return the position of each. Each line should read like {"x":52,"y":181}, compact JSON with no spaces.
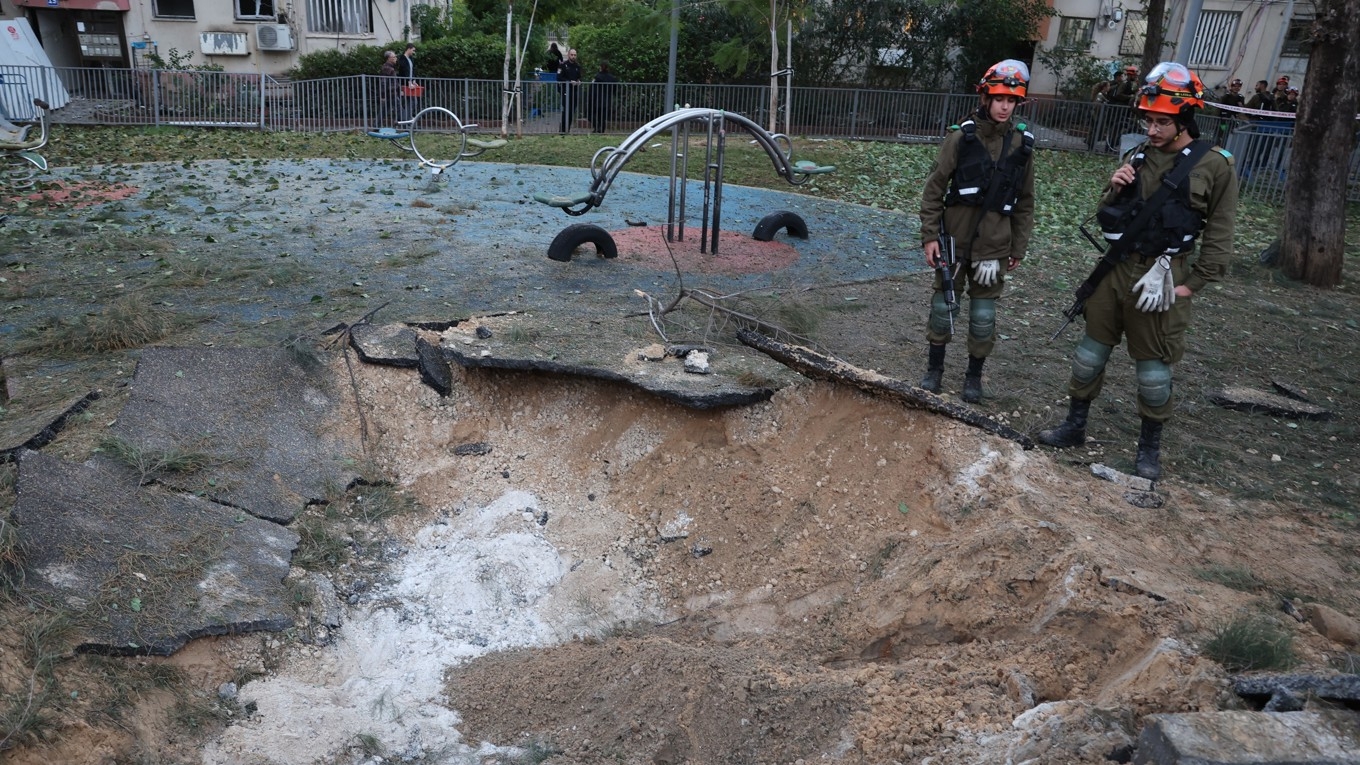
{"x":1173,"y":229}
{"x":980,"y":182}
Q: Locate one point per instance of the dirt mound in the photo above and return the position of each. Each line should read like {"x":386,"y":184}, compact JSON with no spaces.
{"x":609,"y":577}
{"x":839,"y":574}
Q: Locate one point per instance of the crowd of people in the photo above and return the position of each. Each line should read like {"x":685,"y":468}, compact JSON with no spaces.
{"x":399,"y":92}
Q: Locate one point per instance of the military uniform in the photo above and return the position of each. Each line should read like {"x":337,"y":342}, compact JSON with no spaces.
{"x":1111,"y":311}
{"x":1136,"y":299}
{"x":999,"y":237}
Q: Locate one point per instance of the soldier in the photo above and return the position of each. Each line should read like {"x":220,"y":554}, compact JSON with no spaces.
{"x":981,"y":192}
{"x":1124,"y":90}
{"x":1146,"y":298}
{"x":1261,"y":99}
{"x":1234,"y":95}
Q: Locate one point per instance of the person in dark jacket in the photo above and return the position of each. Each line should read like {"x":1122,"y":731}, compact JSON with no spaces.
{"x":980,"y":192}
{"x":602,"y":98}
{"x":389,"y":89}
{"x":569,"y":82}
{"x":406,"y":76}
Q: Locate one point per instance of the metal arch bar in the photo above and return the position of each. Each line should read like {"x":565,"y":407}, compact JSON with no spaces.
{"x":438,"y":166}
{"x":607,"y":162}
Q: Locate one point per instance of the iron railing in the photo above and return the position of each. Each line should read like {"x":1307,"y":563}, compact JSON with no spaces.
{"x":105,"y":96}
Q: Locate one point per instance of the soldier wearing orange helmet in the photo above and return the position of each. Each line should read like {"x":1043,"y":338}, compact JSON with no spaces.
{"x":1123,"y":91}
{"x":980,"y":192}
{"x":1146,"y":297}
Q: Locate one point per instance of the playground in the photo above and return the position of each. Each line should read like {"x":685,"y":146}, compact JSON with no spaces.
{"x":588,"y":572}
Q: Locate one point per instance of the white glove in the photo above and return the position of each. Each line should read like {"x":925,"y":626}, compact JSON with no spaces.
{"x":1157,"y":288}
{"x":985,"y":272}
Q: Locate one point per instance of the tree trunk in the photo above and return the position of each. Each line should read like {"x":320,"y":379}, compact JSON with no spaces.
{"x":1313,"y":240}
{"x":1155,"y":39}
{"x":819,"y":366}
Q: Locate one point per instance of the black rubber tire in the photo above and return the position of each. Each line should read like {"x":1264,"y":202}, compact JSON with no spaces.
{"x":577,"y":234}
{"x":772,"y":223}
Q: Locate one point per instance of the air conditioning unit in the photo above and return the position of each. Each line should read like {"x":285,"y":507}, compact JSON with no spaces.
{"x":274,"y":37}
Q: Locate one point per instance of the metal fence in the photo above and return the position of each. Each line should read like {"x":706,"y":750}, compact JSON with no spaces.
{"x":106,"y":96}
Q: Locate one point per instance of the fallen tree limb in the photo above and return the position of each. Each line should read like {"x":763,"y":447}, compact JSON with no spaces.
{"x":822,"y":367}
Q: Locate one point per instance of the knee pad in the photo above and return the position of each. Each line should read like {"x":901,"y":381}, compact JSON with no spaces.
{"x":939,"y":314}
{"x":981,"y":318}
{"x":1089,"y":360}
{"x":1154,"y":381}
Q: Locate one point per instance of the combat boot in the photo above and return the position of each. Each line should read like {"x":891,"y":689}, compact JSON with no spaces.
{"x":972,"y":380}
{"x":1071,"y":431}
{"x":934,"y":369}
{"x":1148,"y":463}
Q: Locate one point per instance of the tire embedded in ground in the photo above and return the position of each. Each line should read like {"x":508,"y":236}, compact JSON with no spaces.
{"x":772,"y":223}
{"x":577,"y":234}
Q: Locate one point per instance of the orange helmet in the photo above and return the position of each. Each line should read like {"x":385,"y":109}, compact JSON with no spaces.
{"x":1005,"y":78}
{"x":1171,"y":89}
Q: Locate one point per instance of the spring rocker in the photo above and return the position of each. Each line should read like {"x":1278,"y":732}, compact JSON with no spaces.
{"x":714,"y":124}
{"x":403,"y":136}
{"x":20,"y":146}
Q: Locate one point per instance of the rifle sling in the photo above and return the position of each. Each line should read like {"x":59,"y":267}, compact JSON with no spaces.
{"x":1117,"y":251}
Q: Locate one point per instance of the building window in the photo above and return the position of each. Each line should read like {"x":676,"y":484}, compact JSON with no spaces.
{"x":173,"y":9}
{"x":1214,"y":39}
{"x":1135,"y":34}
{"x":339,"y":17}
{"x":255,"y":9}
{"x":1298,"y":41}
{"x":1074,"y":32}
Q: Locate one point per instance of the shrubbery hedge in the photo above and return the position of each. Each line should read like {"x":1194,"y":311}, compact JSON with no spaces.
{"x":477,"y":57}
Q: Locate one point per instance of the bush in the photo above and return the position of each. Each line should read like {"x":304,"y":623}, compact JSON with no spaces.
{"x":477,"y":57}
{"x":1251,"y":642}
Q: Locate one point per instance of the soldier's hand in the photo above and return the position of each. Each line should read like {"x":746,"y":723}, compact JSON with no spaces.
{"x":1122,"y":177}
{"x":1012,"y":264}
{"x":932,"y":249}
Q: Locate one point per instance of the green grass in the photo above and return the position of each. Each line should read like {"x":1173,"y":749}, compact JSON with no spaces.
{"x":1251,"y":642}
{"x":131,"y":322}
{"x":1232,"y":577}
{"x":27,"y":715}
{"x":152,"y":463}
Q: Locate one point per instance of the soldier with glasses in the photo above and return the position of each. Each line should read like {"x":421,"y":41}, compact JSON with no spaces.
{"x":1146,"y":297}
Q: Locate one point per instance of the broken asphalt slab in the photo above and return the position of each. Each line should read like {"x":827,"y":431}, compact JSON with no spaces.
{"x":22,"y":429}
{"x":268,"y":421}
{"x":1329,"y":737}
{"x":150,"y":569}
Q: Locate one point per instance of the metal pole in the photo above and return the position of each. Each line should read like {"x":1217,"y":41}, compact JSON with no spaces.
{"x":708,"y":188}
{"x":670,"y":207}
{"x":772,"y":123}
{"x":675,"y":44}
{"x":519,"y":92}
{"x":788,"y":79}
{"x":718,"y":183}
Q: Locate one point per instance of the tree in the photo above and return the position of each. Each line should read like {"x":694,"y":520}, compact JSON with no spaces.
{"x":1075,"y":70}
{"x":1156,"y":35}
{"x":1313,"y":240}
{"x":924,"y":44}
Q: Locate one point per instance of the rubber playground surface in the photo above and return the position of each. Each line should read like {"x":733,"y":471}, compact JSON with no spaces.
{"x":472,"y":239}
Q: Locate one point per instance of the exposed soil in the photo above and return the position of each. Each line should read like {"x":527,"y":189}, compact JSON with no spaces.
{"x":822,"y":577}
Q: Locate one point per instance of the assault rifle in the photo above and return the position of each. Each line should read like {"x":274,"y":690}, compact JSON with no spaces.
{"x":946,"y":265}
{"x":1116,"y":252}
